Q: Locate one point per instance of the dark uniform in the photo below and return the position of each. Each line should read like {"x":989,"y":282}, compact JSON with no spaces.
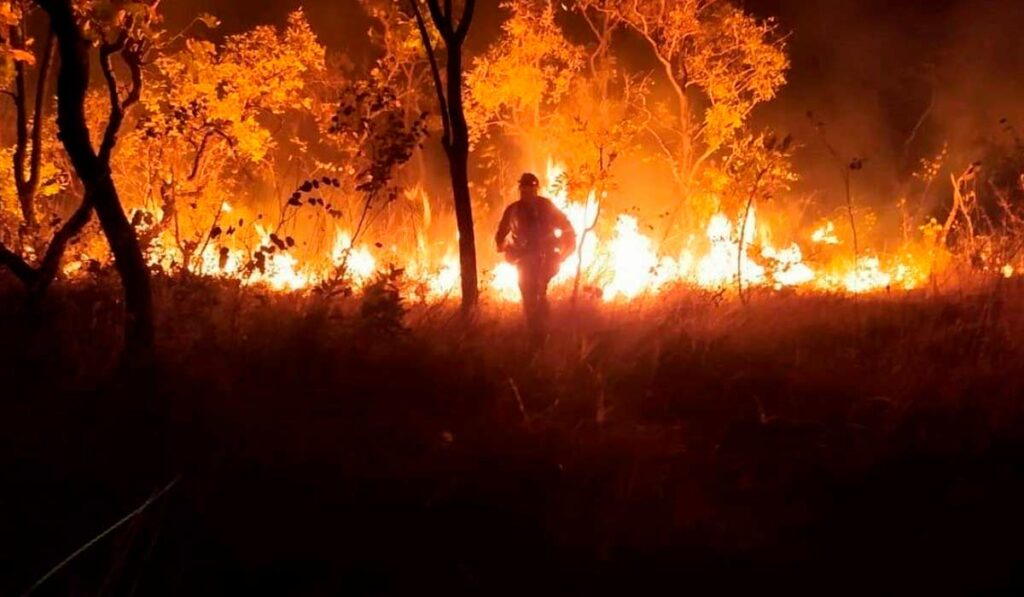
{"x":536,"y":237}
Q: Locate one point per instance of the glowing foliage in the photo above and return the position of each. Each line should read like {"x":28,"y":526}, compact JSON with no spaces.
{"x":525,"y":74}
{"x":737,"y":63}
{"x":224,"y":127}
{"x":713,"y":54}
{"x":401,"y":65}
{"x":225,"y":91}
{"x":12,"y":50}
{"x":209,"y":114}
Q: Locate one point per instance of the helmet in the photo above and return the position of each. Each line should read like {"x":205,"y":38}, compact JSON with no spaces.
{"x":529,"y":180}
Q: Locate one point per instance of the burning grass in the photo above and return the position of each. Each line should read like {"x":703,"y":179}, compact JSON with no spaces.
{"x":794,"y":440}
{"x":619,"y":256}
{"x":743,"y":385}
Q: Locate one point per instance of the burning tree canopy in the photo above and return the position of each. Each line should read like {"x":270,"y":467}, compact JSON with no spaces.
{"x":266,"y":158}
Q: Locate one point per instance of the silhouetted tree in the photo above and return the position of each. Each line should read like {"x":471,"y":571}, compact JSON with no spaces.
{"x":455,"y":139}
{"x":28,"y":146}
{"x":124,"y":37}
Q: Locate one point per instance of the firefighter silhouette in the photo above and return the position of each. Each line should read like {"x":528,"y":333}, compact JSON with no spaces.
{"x":536,"y":237}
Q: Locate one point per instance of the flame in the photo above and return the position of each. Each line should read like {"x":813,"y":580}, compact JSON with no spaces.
{"x":629,"y":264}
{"x":825,"y":235}
{"x":616,"y":256}
{"x":720,"y":266}
{"x":632,"y":261}
{"x":867,"y":276}
{"x":505,"y":282}
{"x":445,"y":282}
{"x":358,"y":262}
{"x":791,"y":269}
{"x":282,"y":269}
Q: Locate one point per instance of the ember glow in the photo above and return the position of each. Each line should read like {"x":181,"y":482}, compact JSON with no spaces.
{"x":328,"y":296}
{"x":617,"y":258}
{"x":202,"y":167}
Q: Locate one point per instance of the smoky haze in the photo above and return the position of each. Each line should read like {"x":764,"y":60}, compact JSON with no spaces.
{"x":892,"y":81}
{"x":873,"y":71}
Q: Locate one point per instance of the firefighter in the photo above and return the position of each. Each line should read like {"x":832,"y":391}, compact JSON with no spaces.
{"x":536,"y":237}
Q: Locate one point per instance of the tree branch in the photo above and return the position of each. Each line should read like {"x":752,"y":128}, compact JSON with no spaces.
{"x":47,"y":271}
{"x":467,"y":19}
{"x":18,"y":266}
{"x":21,"y":113}
{"x":436,"y":75}
{"x":442,"y":22}
{"x":201,"y":149}
{"x":40,"y":109}
{"x":72,"y":85}
{"x":116,"y":113}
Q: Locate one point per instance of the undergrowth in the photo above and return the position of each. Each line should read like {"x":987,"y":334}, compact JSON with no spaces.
{"x":364,"y":445}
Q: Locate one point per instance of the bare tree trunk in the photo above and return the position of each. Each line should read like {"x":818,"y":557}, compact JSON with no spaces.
{"x":458,"y":165}
{"x":47,"y":271}
{"x":94,"y":171}
{"x":26,"y":177}
{"x":26,"y":165}
{"x":456,"y":132}
{"x":740,"y":252}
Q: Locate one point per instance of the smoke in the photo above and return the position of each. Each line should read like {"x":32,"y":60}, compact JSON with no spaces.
{"x":893,"y":82}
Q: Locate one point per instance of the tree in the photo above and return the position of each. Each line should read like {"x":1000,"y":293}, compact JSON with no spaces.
{"x":376,"y":140}
{"x":719,"y":62}
{"x":116,"y":29}
{"x":38,"y":274}
{"x":517,"y":85}
{"x":455,"y":139}
{"x":758,"y":169}
{"x":401,"y":66}
{"x":29,"y":168}
{"x":29,"y":140}
{"x":209,"y":114}
{"x":604,"y":113}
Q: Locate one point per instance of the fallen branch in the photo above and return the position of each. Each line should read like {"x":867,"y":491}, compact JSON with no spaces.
{"x":99,"y":537}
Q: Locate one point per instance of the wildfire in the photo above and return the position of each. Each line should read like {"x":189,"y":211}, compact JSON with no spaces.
{"x":357,"y":262}
{"x":629,"y":264}
{"x":826,"y":234}
{"x":618,"y":263}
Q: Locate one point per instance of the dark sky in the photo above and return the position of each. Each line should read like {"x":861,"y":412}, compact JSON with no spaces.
{"x":867,"y":68}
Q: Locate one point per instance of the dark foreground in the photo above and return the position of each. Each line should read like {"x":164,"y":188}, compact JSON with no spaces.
{"x":813,"y":444}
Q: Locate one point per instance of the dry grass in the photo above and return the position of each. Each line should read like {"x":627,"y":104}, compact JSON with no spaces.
{"x":797,"y":441}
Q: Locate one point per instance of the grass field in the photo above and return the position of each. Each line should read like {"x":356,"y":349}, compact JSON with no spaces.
{"x":688,"y":444}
